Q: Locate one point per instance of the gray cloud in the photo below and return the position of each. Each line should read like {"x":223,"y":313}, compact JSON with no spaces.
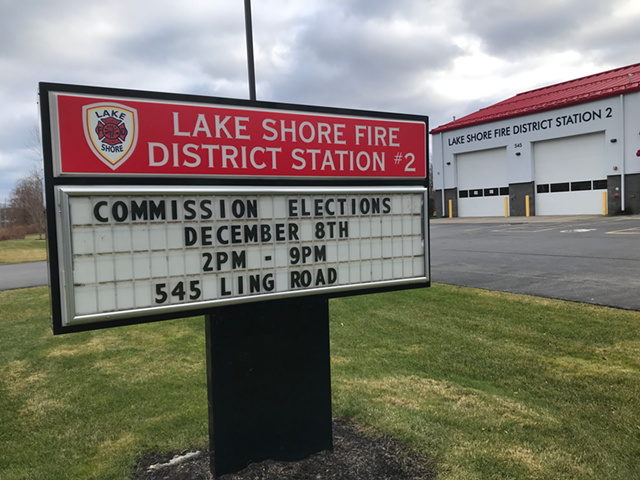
{"x":338,"y":60}
{"x":514,"y":28}
{"x":616,"y":43}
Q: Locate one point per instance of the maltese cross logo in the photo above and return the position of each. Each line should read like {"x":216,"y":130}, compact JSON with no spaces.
{"x":111,"y":130}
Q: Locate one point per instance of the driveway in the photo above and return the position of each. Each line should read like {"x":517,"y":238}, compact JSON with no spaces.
{"x":592,"y":259}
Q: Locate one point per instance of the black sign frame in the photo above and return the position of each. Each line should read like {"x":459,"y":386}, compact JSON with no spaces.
{"x":52,"y":182}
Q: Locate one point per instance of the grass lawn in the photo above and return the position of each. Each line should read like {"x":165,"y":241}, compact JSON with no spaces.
{"x":31,"y":249}
{"x":490,"y":385}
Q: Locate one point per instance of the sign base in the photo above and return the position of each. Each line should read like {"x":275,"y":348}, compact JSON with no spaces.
{"x":268,"y":381}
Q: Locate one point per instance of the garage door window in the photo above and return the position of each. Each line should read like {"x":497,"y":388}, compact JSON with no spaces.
{"x":484,"y":192}
{"x":571,"y":186}
{"x":578,"y":186}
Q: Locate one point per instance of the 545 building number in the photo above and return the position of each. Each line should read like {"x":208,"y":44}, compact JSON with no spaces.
{"x":180,"y":291}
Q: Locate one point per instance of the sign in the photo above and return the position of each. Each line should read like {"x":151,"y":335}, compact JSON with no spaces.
{"x":162,"y":205}
{"x":114,"y":135}
{"x":138,"y":252}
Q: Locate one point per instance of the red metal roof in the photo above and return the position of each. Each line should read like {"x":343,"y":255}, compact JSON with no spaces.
{"x":585,"y":89}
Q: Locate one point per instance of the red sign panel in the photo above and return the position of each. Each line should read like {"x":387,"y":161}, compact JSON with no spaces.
{"x":128,"y":137}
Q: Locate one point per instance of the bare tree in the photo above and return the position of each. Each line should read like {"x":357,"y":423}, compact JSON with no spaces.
{"x":26,"y":200}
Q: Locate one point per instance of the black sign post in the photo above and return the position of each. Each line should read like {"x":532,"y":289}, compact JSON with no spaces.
{"x":269,"y":385}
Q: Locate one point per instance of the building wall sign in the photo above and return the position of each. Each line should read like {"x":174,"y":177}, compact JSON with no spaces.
{"x":520,"y":127}
{"x":161,"y":206}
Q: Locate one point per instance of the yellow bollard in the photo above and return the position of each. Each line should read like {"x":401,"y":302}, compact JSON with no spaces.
{"x":527,"y":202}
{"x":450,"y":208}
{"x":506,"y":206}
{"x":604,"y":202}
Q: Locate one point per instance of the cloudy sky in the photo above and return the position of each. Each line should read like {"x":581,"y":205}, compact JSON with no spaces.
{"x":442,"y":58}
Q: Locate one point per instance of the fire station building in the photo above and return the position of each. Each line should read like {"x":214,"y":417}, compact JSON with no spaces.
{"x":566,"y":149}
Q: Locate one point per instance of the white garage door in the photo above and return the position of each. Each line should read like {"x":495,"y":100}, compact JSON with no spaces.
{"x":570,"y":175}
{"x":482,"y":183}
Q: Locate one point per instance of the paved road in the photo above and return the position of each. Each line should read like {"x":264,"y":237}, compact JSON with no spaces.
{"x":586,"y":259}
{"x":23,"y":275}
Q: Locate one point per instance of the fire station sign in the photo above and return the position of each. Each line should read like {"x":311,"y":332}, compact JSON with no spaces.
{"x":161,"y":206}
{"x":133,"y":136}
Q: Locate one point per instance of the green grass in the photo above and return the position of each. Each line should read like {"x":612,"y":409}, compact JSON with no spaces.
{"x":490,"y":385}
{"x":494,"y":385}
{"x":84,"y":405}
{"x":31,"y":249}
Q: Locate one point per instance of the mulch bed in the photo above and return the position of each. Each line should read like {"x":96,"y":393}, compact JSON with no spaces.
{"x":358,"y":454}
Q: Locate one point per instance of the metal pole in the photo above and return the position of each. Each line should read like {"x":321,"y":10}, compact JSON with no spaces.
{"x":622,"y":150}
{"x":249,"y":31}
{"x":443,"y":184}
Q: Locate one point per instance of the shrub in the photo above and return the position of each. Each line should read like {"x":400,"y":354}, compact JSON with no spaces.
{"x":17,"y":232}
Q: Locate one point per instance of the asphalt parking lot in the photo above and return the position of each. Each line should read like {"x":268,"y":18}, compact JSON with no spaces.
{"x":592,"y":259}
